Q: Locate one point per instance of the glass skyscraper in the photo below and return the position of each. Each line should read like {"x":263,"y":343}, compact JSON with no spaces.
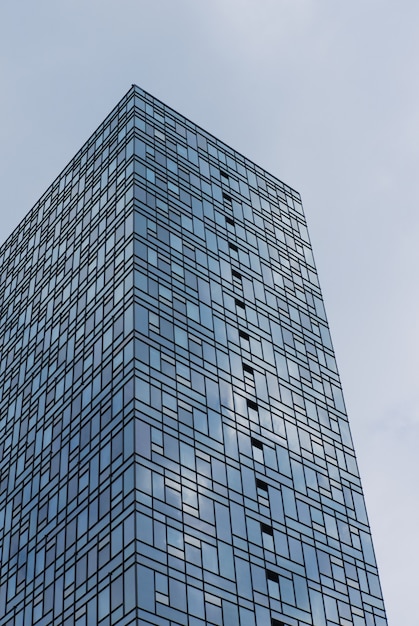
{"x":174,"y":448}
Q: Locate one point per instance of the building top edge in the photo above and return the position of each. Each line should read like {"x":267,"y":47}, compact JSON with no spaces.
{"x":136,"y":89}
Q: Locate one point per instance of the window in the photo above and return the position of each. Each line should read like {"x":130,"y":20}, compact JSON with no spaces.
{"x":159,"y":135}
{"x":270,"y":575}
{"x":252,"y":409}
{"x":234,"y":251}
{"x":257,"y":447}
{"x":249,"y":380}
{"x":224,"y":175}
{"x":273,"y":584}
{"x":267,"y":537}
{"x":236,"y":275}
{"x":154,"y":322}
{"x":261,"y":488}
{"x":267,"y":529}
{"x":237,"y":280}
{"x":244,"y":340}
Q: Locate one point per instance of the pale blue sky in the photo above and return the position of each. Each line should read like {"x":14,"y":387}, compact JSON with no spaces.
{"x":324,"y":95}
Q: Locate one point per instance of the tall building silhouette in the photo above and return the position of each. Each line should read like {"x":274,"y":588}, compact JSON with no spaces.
{"x":174,"y":447}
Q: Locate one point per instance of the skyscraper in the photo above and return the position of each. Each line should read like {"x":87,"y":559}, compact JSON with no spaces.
{"x":174,"y":448}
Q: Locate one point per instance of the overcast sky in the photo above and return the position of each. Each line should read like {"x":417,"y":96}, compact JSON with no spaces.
{"x":324,"y":95}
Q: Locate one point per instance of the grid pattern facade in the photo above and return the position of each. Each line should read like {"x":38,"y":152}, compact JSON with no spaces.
{"x":174,"y":448}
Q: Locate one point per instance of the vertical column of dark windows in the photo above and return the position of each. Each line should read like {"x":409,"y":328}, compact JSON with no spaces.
{"x":230,"y":226}
{"x":233,"y":250}
{"x":248,"y":374}
{"x":252,"y":405}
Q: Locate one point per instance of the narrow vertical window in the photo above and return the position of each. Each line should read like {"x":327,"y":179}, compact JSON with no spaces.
{"x":257,"y":447}
{"x":249,"y":375}
{"x":237,"y":279}
{"x":267,"y":537}
{"x":240,"y":307}
{"x":253,"y":411}
{"x":273,"y":584}
{"x":244,"y":340}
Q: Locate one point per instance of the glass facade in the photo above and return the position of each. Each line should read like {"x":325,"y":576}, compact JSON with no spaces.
{"x":174,"y":448}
